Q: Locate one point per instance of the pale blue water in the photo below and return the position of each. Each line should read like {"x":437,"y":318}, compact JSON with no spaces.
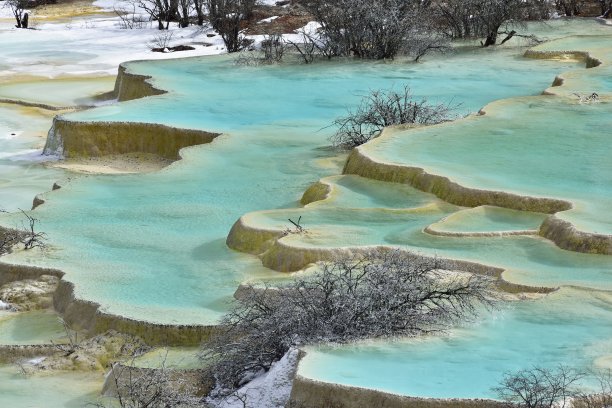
{"x":152,"y":246}
{"x":21,"y":142}
{"x":467,"y":362}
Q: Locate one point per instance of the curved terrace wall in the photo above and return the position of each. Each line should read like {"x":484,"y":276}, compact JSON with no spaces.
{"x":86,"y":315}
{"x":309,"y":393}
{"x":280,"y":255}
{"x":566,"y":236}
{"x":360,"y":164}
{"x":130,"y":86}
{"x":92,"y":139}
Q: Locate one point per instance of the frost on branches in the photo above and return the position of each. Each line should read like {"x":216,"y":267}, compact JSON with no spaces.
{"x":377,"y":294}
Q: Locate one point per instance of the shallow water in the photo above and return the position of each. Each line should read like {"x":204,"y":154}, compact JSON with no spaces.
{"x":152,"y":246}
{"x":467,"y":362}
{"x":35,"y":327}
{"x":22,"y":175}
{"x":122,"y":257}
{"x":56,"y":390}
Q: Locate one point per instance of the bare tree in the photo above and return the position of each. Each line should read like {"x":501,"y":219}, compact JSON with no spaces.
{"x":540,"y":387}
{"x":371,"y":30}
{"x":18,"y":8}
{"x":198,"y":6}
{"x":128,"y":19}
{"x":312,"y":46}
{"x":569,"y":7}
{"x":488,"y":18}
{"x":380,"y":109}
{"x":378,"y":294}
{"x":606,"y":8}
{"x":184,"y":8}
{"x":226,"y":17}
{"x":31,"y":238}
{"x":158,"y":10}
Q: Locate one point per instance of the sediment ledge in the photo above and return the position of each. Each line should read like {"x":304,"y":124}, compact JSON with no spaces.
{"x":12,"y":273}
{"x":562,"y":233}
{"x":85,"y":315}
{"x":360,"y":164}
{"x":432,"y":231}
{"x":566,"y":236}
{"x":590,"y":61}
{"x":317,"y":192}
{"x":129,"y":86}
{"x":277,"y":254}
{"x":94,"y":139}
{"x":15,"y":353}
{"x":309,"y":393}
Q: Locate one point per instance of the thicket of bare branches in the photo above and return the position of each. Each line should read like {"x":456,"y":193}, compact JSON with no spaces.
{"x":487,"y":19}
{"x":386,"y":108}
{"x":272,"y":51}
{"x":28,"y":235}
{"x":226,"y":17}
{"x":601,"y":397}
{"x":539,"y":387}
{"x":379,"y":294}
{"x":150,"y":388}
{"x":373,"y":30}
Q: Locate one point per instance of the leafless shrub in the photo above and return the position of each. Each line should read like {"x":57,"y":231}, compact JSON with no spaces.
{"x":371,"y":30}
{"x":311,"y":47}
{"x":378,"y":294}
{"x":540,"y":387}
{"x":161,"y":40}
{"x":150,"y":388}
{"x":272,"y":52}
{"x":31,"y":238}
{"x":601,"y":398}
{"x":488,"y":18}
{"x":27,"y":235}
{"x":386,"y":108}
{"x":71,"y":335}
{"x":128,"y":19}
{"x":273,"y":48}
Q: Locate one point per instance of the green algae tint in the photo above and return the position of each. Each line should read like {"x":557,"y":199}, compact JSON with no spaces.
{"x":35,"y":327}
{"x":152,"y":247}
{"x":57,"y":390}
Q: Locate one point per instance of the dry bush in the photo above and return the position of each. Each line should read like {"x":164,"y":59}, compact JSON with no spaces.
{"x":378,"y":294}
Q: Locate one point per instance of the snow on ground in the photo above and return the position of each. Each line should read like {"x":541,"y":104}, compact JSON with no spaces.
{"x":269,"y":390}
{"x":96,"y":45}
{"x":93,"y":45}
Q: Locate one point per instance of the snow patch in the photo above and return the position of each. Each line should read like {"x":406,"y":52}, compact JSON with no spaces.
{"x":268,"y":390}
{"x":267,"y":20}
{"x":36,"y":361}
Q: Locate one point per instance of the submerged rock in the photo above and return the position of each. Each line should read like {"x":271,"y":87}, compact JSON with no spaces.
{"x":29,"y":294}
{"x":96,"y":353}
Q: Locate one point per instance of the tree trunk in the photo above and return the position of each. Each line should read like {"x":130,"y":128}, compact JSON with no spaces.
{"x":491,"y":39}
